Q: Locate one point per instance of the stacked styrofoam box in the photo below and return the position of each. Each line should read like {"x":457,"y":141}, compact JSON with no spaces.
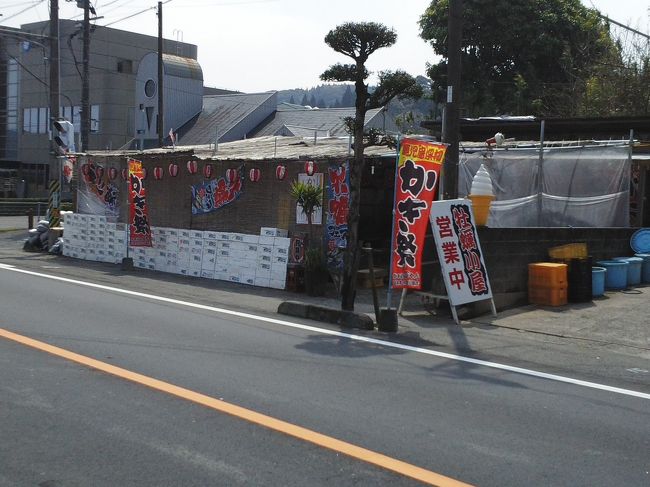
{"x":119,"y":238}
{"x":74,"y":228}
{"x":264,"y":261}
{"x":259,"y":260}
{"x":279,"y":262}
{"x":273,"y":232}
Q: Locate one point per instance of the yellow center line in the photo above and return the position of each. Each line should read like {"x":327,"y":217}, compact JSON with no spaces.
{"x":299,"y":432}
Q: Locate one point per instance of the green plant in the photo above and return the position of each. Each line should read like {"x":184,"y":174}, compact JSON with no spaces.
{"x":309,"y":198}
{"x":315,"y":260}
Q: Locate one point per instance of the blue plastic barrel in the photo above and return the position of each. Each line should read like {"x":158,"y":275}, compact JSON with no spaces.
{"x":645,"y":267}
{"x":598,"y":281}
{"x":633,"y":270}
{"x":616,"y":276}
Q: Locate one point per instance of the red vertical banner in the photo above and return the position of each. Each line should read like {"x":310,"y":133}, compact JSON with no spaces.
{"x":139,"y":229}
{"x":418,"y":171}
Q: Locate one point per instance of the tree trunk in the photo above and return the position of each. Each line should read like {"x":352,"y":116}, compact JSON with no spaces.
{"x":351,"y":258}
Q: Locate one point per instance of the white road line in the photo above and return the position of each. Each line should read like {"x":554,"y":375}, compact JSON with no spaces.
{"x":324,"y":331}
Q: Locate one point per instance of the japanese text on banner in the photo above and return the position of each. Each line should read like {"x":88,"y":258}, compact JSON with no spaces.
{"x":417,"y":177}
{"x":139,"y":228}
{"x":459,"y":251}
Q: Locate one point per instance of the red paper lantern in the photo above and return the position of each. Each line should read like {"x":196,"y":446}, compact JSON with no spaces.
{"x":125,"y":174}
{"x":112,"y":173}
{"x":281,"y":172}
{"x":192,"y":167}
{"x":99,"y":172}
{"x":173,"y":170}
{"x":232,"y":175}
{"x":255,"y":175}
{"x":158,"y":173}
{"x":310,"y":167}
{"x":207,"y":171}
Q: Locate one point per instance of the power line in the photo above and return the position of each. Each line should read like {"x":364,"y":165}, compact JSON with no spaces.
{"x":35,"y":4}
{"x":135,"y":14}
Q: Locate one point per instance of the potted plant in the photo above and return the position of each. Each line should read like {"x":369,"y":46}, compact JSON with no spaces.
{"x":316,"y":273}
{"x":310,"y":197}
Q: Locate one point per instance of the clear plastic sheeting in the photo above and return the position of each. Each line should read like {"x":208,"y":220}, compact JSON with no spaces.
{"x":568,"y":186}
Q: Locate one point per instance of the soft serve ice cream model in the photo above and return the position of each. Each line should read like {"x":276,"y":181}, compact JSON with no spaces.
{"x":481,"y":194}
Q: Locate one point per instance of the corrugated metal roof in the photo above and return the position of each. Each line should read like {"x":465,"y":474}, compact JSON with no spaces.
{"x":302,"y":120}
{"x":266,"y":148}
{"x":220,"y":111}
{"x":182,"y":67}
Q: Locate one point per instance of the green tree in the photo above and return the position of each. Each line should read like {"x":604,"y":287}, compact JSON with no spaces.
{"x":358,"y":41}
{"x":305,"y":100}
{"x":520,"y":55}
{"x":347,"y":100}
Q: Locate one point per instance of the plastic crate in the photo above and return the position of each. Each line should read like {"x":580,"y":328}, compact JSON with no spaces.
{"x":568,"y":251}
{"x":547,"y":296}
{"x":548,"y":275}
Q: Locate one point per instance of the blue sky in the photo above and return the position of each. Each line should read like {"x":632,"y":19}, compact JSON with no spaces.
{"x":261,"y":45}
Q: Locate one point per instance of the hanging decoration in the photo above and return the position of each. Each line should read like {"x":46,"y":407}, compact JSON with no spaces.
{"x":337,"y":209}
{"x":139,"y":229}
{"x":95,"y":194}
{"x":158,"y":173}
{"x":232,"y":175}
{"x":280,"y":172}
{"x":254,"y":175}
{"x":112,"y":173}
{"x":125,"y":174}
{"x":173,"y":170}
{"x":207,"y":171}
{"x":192,"y":167}
{"x":310,"y":167}
{"x":211,"y":195}
{"x":69,"y":163}
{"x":144,"y":173}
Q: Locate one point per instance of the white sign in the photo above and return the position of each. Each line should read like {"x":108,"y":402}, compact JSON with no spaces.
{"x":459,"y":251}
{"x":317,"y":217}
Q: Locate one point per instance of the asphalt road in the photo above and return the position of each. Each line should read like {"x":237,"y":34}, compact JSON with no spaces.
{"x":66,"y":424}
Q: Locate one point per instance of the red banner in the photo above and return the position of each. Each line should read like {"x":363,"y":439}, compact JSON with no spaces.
{"x":418,"y":170}
{"x":139,"y":229}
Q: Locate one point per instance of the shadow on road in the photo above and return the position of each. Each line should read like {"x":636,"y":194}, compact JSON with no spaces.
{"x":345,"y":347}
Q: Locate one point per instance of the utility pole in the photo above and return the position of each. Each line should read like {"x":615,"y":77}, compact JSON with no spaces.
{"x":161,"y":118}
{"x":54,"y":61}
{"x":54,"y":166}
{"x":451,"y":122}
{"x":85,"y":86}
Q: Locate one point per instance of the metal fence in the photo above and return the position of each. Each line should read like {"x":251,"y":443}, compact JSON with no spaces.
{"x":18,"y":207}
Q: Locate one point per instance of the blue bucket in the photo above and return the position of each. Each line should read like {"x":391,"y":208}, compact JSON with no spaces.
{"x":616,"y":275}
{"x":645,"y":267}
{"x":633,"y":270}
{"x":598,"y":281}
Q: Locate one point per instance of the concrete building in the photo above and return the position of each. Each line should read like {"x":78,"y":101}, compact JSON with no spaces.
{"x":116,"y":57}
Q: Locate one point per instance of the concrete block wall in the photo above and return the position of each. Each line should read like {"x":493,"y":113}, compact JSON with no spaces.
{"x":508,"y":251}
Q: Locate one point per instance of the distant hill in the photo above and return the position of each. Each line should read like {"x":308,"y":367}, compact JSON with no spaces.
{"x":409,"y":112}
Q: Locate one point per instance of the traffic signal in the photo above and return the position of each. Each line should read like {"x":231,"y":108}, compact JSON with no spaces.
{"x":64,"y":136}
